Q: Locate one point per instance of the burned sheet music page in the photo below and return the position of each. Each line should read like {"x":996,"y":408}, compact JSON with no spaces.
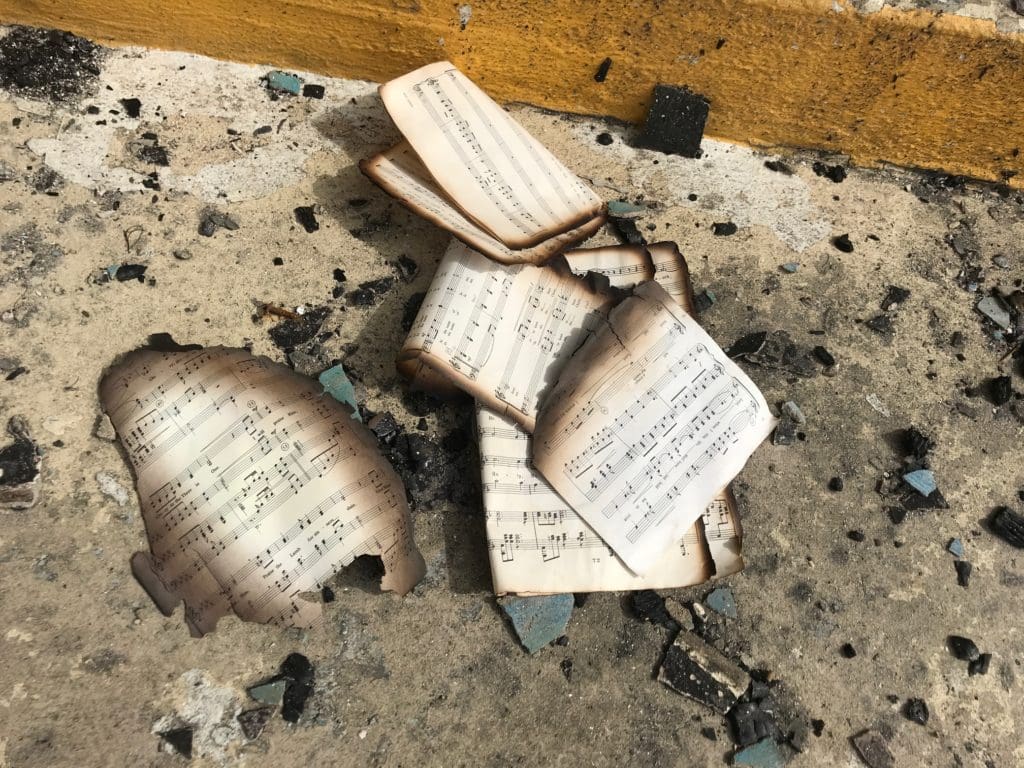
{"x":501,"y":333}
{"x":649,"y":411}
{"x":482,"y":161}
{"x":401,"y":174}
{"x":538,"y":545}
{"x":624,"y":266}
{"x":255,"y":486}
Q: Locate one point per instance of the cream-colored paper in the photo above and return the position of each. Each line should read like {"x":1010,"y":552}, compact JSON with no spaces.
{"x":501,"y":333}
{"x":255,"y":486}
{"x":536,"y":543}
{"x":648,"y":423}
{"x":626,"y":265}
{"x":401,"y":174}
{"x":487,"y":164}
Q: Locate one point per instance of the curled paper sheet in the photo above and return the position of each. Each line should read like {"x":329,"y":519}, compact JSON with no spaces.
{"x":468,"y":167}
{"x":254,"y":485}
{"x":648,"y":413}
{"x":536,"y":543}
{"x":500,"y":333}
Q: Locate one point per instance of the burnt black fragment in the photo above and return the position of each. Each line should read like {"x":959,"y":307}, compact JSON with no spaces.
{"x":311,"y":91}
{"x":579,"y":599}
{"x":154,"y":155}
{"x":648,"y":605}
{"x":881,"y":324}
{"x":384,"y":426}
{"x":566,"y":666}
{"x":327,"y":595}
{"x":709,"y":733}
{"x":627,"y":231}
{"x":963,"y":572}
{"x":775,"y":350}
{"x":963,"y":648}
{"x":752,"y":721}
{"x":675,"y":121}
{"x":915,"y":443}
{"x":980,"y":665}
{"x":823,"y":355}
{"x":856,"y":535}
{"x":778,"y":167}
{"x":604,"y":138}
{"x":697,"y":670}
{"x":785,"y":433}
{"x":406,"y":268}
{"x":305,"y":215}
{"x":47,"y":63}
{"x":127,"y":272}
{"x":132,"y":106}
{"x":914,"y":501}
{"x":842,"y":243}
{"x":723,"y":229}
{"x":834,"y":172}
{"x":299,"y":674}
{"x":749,"y":344}
{"x":848,"y":651}
{"x":1000,"y":390}
{"x":602,"y":71}
{"x":894,"y":296}
{"x":1008,"y":525}
{"x":818,"y":726}
{"x":19,"y":466}
{"x":253,"y":721}
{"x":293,"y":332}
{"x":916,"y":710}
{"x":180,"y":740}
{"x":367,"y":293}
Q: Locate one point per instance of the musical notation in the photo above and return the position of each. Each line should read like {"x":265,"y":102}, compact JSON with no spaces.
{"x":501,"y":333}
{"x":255,"y":487}
{"x":652,"y":423}
{"x":502,"y":178}
{"x":537,"y":543}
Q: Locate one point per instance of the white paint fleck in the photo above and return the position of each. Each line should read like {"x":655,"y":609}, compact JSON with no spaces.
{"x":109,"y":486}
{"x":465,"y":14}
{"x":211,"y":710}
{"x":875,"y":402}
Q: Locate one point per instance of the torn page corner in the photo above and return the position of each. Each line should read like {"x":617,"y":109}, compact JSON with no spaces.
{"x":254,"y":487}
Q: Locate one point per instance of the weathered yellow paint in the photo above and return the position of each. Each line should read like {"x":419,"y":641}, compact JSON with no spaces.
{"x":911,"y":88}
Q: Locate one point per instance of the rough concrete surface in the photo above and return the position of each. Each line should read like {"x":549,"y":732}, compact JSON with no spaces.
{"x":91,"y":672}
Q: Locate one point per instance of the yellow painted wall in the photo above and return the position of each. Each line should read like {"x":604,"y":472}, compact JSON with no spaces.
{"x":911,"y":88}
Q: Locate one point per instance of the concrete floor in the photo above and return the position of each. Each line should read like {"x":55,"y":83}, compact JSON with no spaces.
{"x":89,"y":669}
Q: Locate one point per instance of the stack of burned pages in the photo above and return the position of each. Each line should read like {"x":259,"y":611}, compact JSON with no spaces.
{"x":610,"y":424}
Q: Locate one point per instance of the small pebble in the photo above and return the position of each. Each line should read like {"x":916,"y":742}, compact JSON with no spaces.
{"x":955,"y":547}
{"x":791,"y":267}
